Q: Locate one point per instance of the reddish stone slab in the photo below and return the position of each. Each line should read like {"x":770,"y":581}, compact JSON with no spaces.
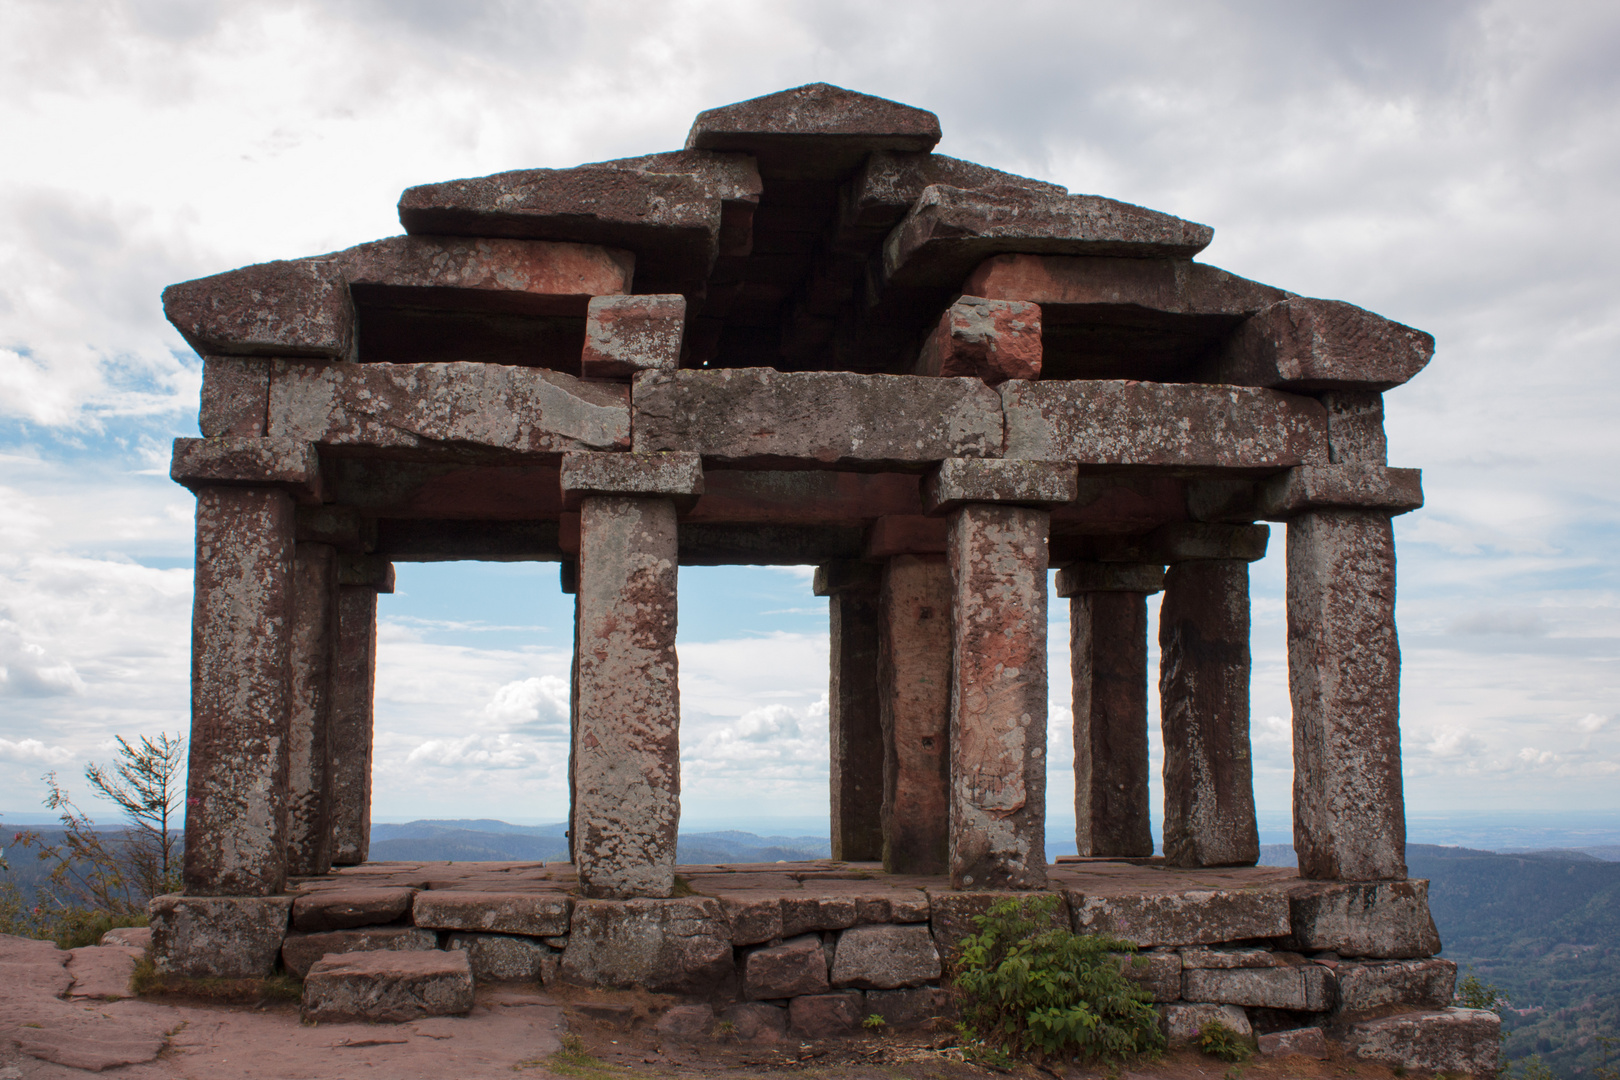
{"x":628,"y":334}
{"x":343,"y":908}
{"x":800,"y":497}
{"x":1204,"y":709}
{"x":885,"y":957}
{"x":626,"y":760}
{"x":1349,"y":487}
{"x":311,"y":652}
{"x":1303,"y":987}
{"x":300,"y":950}
{"x":855,"y":767}
{"x":1108,"y":664}
{"x":914,"y":681}
{"x":1425,"y":984}
{"x":1111,"y":422}
{"x":299,"y":308}
{"x":1374,"y":919}
{"x":1070,"y":285}
{"x":1182,"y":916}
{"x":889,"y":181}
{"x":998,"y":566}
{"x":993,"y":340}
{"x":349,"y":730}
{"x":235,"y":396}
{"x":236,"y":797}
{"x":291,"y":465}
{"x":1344,"y":670}
{"x":1306,"y":344}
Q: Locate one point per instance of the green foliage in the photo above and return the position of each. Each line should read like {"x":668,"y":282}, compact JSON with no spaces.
{"x":1028,"y":987}
{"x":1218,"y":1040}
{"x":874,"y":1022}
{"x":1474,"y":994}
{"x":1533,"y":1068}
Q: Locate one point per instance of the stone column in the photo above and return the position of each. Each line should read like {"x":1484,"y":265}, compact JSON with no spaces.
{"x":352,"y":727}
{"x":626,"y":743}
{"x":1108,"y":663}
{"x":997,"y":554}
{"x":855,"y":733}
{"x":311,"y":654}
{"x":1204,"y":712}
{"x":914,"y":685}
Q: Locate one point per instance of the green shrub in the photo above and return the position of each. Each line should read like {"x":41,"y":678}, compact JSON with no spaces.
{"x":1030,"y":988}
{"x":1218,"y":1040}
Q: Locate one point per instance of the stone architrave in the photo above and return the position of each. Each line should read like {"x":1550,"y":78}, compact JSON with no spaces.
{"x":998,"y":560}
{"x":349,"y":735}
{"x":626,"y":743}
{"x":1204,"y":710}
{"x":1344,"y":673}
{"x":1108,"y":658}
{"x":236,"y":795}
{"x":854,"y":728}
{"x":914,"y":681}
{"x":311,"y":653}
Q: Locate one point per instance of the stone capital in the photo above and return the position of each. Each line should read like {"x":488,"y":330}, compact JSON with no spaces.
{"x":996,"y":480}
{"x":1340,"y":487}
{"x":1090,"y":577}
{"x":367,"y":570}
{"x":246,"y":461}
{"x":340,"y":526}
{"x":840,"y":577}
{"x":676,"y":475}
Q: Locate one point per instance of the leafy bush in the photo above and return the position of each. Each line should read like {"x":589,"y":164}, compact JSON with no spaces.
{"x":1218,"y":1040}
{"x":1030,"y":988}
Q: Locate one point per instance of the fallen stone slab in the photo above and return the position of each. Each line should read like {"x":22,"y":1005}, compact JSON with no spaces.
{"x":756,"y":1021}
{"x":820,"y":1016}
{"x":1386,"y":920}
{"x":1352,"y":486}
{"x":1182,"y":1023}
{"x":680,"y":946}
{"x":297,"y":308}
{"x":1306,"y":344}
{"x":103,"y":972}
{"x":341,"y":909}
{"x":885,"y":957}
{"x":1190,"y":917}
{"x":388,"y":987}
{"x":1446,"y":1040}
{"x":503,"y":957}
{"x":1301,"y":986}
{"x":759,"y":417}
{"x":234,"y":460}
{"x":221,"y":937}
{"x":1306,"y":1042}
{"x":817,"y":130}
{"x":686,"y":1021}
{"x":797,"y":966}
{"x":1420,"y":984}
{"x":300,"y":951}
{"x":457,"y":407}
{"x":533,"y":914}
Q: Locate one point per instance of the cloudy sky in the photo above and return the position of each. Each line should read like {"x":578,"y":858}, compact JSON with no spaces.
{"x":1453,"y":165}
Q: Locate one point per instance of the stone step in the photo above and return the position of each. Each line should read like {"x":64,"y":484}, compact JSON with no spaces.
{"x":388,"y":987}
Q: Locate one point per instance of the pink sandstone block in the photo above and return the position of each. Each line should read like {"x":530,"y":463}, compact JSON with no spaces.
{"x":628,"y":334}
{"x":1305,"y":344}
{"x":993,"y":340}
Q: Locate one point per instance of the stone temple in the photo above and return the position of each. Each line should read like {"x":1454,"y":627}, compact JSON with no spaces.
{"x":806,"y":338}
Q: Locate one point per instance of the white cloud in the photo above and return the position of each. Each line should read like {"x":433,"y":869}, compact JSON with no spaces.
{"x":538,"y":704}
{"x":32,"y":751}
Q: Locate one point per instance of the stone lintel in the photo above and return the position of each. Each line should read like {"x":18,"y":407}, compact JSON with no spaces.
{"x":678,"y":476}
{"x":371,"y":571}
{"x":243,"y":461}
{"x":985,"y":480}
{"x":1187,"y":541}
{"x":837,"y":577}
{"x":629,"y":334}
{"x":1174,"y":286}
{"x":1349,"y":487}
{"x":1090,"y":577}
{"x":905,"y":534}
{"x":529,"y":277}
{"x":340,"y":526}
{"x":1306,"y":344}
{"x":993,"y":340}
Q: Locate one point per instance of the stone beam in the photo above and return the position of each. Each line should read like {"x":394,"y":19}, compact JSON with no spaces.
{"x":1072,"y":288}
{"x":243,"y":461}
{"x":1348,"y":486}
{"x":1305,"y":344}
{"x":855,"y":731}
{"x":1186,"y":541}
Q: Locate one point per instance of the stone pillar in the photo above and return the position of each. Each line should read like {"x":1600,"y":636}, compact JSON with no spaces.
{"x":855,"y":732}
{"x":311,"y":653}
{"x":997,"y":554}
{"x":914,"y":685}
{"x":354,"y":684}
{"x":236,"y":793}
{"x":1108,"y":663}
{"x":626,"y":743}
{"x":1204,"y":711}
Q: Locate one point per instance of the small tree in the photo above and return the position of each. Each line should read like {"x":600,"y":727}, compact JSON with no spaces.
{"x":146,"y":786}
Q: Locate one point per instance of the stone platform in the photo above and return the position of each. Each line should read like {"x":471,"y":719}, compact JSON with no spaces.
{"x":815,"y":947}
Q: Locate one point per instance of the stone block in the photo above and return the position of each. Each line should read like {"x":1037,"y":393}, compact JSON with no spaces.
{"x":1354,"y":486}
{"x":387,"y":987}
{"x":948,"y":232}
{"x":1157,"y":972}
{"x":904,"y":534}
{"x":821,"y":1016}
{"x":1182,"y":1023}
{"x":1355,"y":427}
{"x":674,"y":475}
{"x":1422,"y":984}
{"x":235,"y":396}
{"x":625,"y":335}
{"x":1305,"y":1042}
{"x":756,"y":1021}
{"x":888,"y":182}
{"x":456,"y":408}
{"x":299,"y":308}
{"x":760,"y":417}
{"x":797,"y":966}
{"x":803,"y":914}
{"x":956,"y":481}
{"x":898,"y":908}
{"x":914,"y":699}
{"x":753,"y":919}
{"x":885,"y":957}
{"x":952,"y":914}
{"x":1118,"y":423}
{"x":1444,"y":1041}
{"x":342,"y":908}
{"x":1385,"y":920}
{"x":1301,"y":986}
{"x":1188,"y":917}
{"x":685,"y":1021}
{"x":366,"y":571}
{"x":1078,"y":286}
{"x":1092,"y":577}
{"x":502,"y":957}
{"x":1198,"y":957}
{"x":817,"y":129}
{"x":911,"y":1007}
{"x":844,"y":576}
{"x":1108,"y":671}
{"x":221,"y":937}
{"x":993,"y":340}
{"x":244,"y":461}
{"x":340,"y":527}
{"x":663,"y":946}
{"x":1306,"y":344}
{"x":533,"y":914}
{"x":300,"y":951}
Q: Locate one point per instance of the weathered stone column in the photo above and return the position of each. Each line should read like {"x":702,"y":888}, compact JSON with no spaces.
{"x":998,"y":558}
{"x":353,"y":720}
{"x":242,"y":611}
{"x":855,"y":733}
{"x":1204,"y":667}
{"x":914,"y":683}
{"x":312,"y":651}
{"x":626,"y":743}
{"x":1108,"y":663}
